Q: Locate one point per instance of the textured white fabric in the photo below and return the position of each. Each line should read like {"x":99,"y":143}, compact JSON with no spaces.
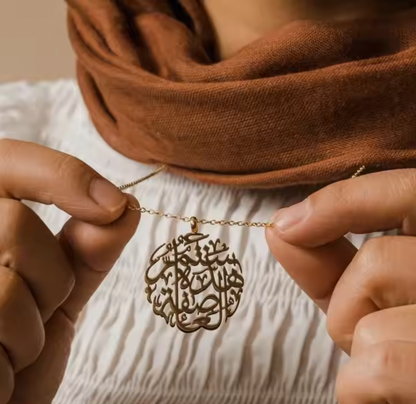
{"x":274,"y":350}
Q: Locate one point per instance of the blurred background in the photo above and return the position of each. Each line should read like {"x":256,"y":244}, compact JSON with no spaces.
{"x":33,"y":41}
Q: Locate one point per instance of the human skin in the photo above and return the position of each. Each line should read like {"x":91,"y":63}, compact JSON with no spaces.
{"x":369,"y":295}
{"x":46,"y":280}
{"x":239,"y":22}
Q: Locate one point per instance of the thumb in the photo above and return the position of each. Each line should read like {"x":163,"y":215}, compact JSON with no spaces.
{"x":38,"y":174}
{"x":375,"y":202}
{"x":93,"y":250}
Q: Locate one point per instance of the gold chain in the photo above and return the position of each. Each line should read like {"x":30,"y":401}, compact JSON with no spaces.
{"x":212,"y":222}
{"x":190,"y":219}
{"x":359,"y":172}
{"x":140,"y":180}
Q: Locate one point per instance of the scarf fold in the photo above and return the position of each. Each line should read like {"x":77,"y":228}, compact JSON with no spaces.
{"x":308,"y":103}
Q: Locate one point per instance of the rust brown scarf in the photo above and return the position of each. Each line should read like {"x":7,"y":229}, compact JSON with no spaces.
{"x":307,"y":104}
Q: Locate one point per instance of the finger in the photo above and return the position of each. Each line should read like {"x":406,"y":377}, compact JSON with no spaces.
{"x":29,"y":248}
{"x":39,"y":383}
{"x":395,"y":324}
{"x":384,"y":373}
{"x":316,"y":271}
{"x":6,"y":378}
{"x":93,"y":251}
{"x":381,"y":276}
{"x":21,"y":327}
{"x":381,"y":201}
{"x":32,"y":172}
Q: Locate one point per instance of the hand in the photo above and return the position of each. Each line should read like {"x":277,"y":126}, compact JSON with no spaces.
{"x":45,"y":281}
{"x":370,"y":295}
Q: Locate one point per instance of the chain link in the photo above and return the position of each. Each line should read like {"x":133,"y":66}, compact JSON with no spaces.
{"x":211,"y":222}
{"x":359,"y":172}
{"x":187,"y":219}
{"x":140,"y":180}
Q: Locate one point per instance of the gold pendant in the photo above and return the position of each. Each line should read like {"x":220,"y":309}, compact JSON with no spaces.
{"x":193,"y":283}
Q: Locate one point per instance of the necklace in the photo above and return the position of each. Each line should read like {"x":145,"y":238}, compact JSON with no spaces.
{"x":192,"y":281}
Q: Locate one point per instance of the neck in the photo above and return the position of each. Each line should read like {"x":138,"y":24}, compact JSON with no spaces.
{"x":240,"y":22}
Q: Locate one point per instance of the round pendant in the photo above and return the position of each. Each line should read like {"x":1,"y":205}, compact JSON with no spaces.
{"x":194,"y":283}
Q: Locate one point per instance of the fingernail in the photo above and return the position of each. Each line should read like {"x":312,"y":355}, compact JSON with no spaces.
{"x":287,"y":218}
{"x":107,"y":195}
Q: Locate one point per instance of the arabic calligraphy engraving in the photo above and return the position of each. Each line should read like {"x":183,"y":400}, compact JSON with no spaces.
{"x":193,"y":283}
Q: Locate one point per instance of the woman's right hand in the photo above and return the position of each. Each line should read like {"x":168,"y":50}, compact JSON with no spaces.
{"x":369,"y":295}
{"x":46,"y":280}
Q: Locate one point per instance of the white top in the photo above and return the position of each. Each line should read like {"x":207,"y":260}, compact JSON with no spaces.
{"x":274,"y":350}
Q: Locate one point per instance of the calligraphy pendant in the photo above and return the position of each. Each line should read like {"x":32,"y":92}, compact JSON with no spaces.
{"x":194,"y":283}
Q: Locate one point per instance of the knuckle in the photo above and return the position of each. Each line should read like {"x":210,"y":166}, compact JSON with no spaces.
{"x":370,"y":263}
{"x":15,"y":215}
{"x":383,"y":355}
{"x":14,"y":291}
{"x":366,"y":331}
{"x":35,"y":345}
{"x":373,"y":246}
{"x":381,"y":364}
{"x":17,"y":219}
{"x":31,"y":351}
{"x":11,"y":282}
{"x":370,"y":273}
{"x":369,"y":373}
{"x":68,"y":167}
{"x":29,"y":249}
{"x":371,"y":253}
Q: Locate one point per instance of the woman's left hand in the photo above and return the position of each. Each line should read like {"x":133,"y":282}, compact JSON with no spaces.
{"x":369,"y":295}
